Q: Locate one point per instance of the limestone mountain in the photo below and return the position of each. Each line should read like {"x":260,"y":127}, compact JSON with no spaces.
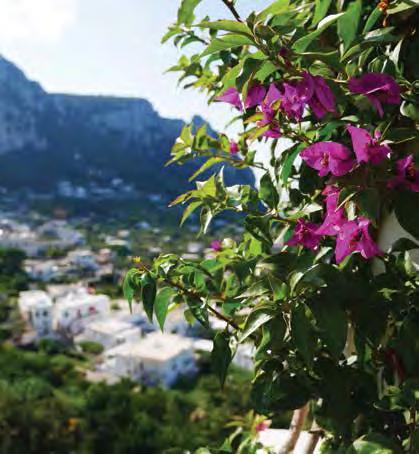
{"x":49,"y":138}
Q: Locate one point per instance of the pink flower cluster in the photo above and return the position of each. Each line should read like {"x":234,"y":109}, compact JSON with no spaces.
{"x":338,"y":160}
{"x":351,"y":235}
{"x":289,"y":97}
{"x":292,"y":98}
{"x":378,"y":88}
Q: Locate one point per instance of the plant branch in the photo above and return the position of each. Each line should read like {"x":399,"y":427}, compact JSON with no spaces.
{"x":193,"y":294}
{"x":315,"y":433}
{"x":231,"y":7}
{"x":297,"y":422}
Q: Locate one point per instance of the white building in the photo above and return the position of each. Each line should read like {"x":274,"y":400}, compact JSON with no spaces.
{"x":111,"y":332}
{"x":156,"y":359}
{"x":20,"y":236}
{"x":74,"y":310}
{"x":194,"y":247}
{"x":35,"y":307}
{"x":83,"y":258}
{"x":34,"y":242}
{"x":60,"y":234}
{"x":45,"y":270}
{"x":58,"y":291}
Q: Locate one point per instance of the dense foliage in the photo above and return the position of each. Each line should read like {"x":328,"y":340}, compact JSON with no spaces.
{"x":319,"y":282}
{"x":12,"y":276}
{"x":47,"y":406}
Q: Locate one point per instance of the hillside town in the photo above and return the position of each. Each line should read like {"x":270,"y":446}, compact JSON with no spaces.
{"x":132,"y":346}
{"x":64,"y":303}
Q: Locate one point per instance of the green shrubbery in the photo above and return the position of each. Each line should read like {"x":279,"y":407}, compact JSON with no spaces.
{"x":47,"y":406}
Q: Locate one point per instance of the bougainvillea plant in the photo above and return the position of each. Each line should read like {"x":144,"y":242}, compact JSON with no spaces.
{"x":323,"y":280}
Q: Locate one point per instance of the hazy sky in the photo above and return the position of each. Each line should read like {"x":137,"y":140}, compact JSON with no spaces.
{"x":105,"y":47}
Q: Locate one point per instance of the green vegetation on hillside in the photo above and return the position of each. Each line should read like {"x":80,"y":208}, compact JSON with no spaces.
{"x":47,"y":406}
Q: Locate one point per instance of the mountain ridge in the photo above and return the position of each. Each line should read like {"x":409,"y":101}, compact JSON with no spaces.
{"x":47,"y":138}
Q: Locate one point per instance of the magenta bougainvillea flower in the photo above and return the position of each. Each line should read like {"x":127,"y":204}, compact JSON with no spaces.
{"x":378,"y":88}
{"x":255,"y":96}
{"x":328,"y":157}
{"x":216,"y":245}
{"x":319,"y":95}
{"x":273,"y":95}
{"x":304,"y":235}
{"x":407,"y":175}
{"x":263,"y":425}
{"x":268,"y":113}
{"x":269,"y":119}
{"x":354,"y":236}
{"x":335,"y":217}
{"x":234,"y":147}
{"x":293,"y":100}
{"x":366,"y":147}
{"x":231,"y":96}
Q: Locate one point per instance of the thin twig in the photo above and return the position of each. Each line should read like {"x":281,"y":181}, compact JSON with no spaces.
{"x":230,"y":6}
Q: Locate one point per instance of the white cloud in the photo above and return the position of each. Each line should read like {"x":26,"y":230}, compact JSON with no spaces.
{"x":37,"y":20}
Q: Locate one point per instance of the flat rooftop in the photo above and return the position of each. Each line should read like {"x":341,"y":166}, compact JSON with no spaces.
{"x":109,"y":326}
{"x":159,"y":347}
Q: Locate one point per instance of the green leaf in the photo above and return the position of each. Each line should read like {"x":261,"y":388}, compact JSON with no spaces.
{"x":403,"y":6}
{"x":228,"y":26}
{"x":374,"y":444}
{"x":228,"y":41}
{"x":276,"y":8}
{"x":265,"y":70}
{"x":381,"y":35}
{"x":302,"y":333}
{"x":189,"y":210}
{"x":268,"y":192}
{"x":185,"y":14}
{"x":258,"y":317}
{"x":407,"y":213}
{"x":255,"y":290}
{"x":199,"y":310}
{"x":369,"y":202}
{"x":161,"y":304}
{"x":348,"y":24}
{"x":207,"y":164}
{"x":321,"y":9}
{"x":332,"y":323}
{"x":372,"y":19}
{"x":229,"y":79}
{"x":131,"y":285}
{"x":301,"y":44}
{"x":207,"y":188}
{"x":288,"y":163}
{"x":410,"y":110}
{"x":148,"y":294}
{"x":221,"y":356}
{"x":128,"y":290}
{"x":279,"y":288}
